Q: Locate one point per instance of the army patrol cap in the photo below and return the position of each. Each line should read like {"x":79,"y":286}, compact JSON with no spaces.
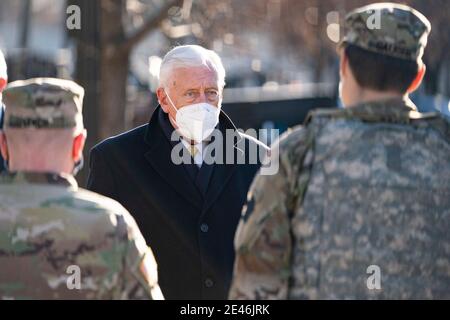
{"x":43,"y":103}
{"x":389,"y":29}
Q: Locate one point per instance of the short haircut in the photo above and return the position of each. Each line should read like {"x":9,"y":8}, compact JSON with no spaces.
{"x":379,"y":72}
{"x":190,"y":56}
{"x":33,"y":144}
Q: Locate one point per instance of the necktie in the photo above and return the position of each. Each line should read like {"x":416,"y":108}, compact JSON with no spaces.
{"x":193,"y":150}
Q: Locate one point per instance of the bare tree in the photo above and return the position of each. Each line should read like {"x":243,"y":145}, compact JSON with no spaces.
{"x":301,"y":29}
{"x":103,"y":50}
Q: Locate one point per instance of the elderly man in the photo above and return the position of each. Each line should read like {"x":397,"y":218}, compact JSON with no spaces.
{"x":58,"y":241}
{"x":187,"y":211}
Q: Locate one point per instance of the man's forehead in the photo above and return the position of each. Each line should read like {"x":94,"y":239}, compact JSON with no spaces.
{"x":194,"y":76}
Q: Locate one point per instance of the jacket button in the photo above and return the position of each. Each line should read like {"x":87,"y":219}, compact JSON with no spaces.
{"x":204,"y":227}
{"x":209,"y":283}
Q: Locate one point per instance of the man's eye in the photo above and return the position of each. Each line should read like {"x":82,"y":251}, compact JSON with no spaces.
{"x":212,"y":93}
{"x":190,"y":94}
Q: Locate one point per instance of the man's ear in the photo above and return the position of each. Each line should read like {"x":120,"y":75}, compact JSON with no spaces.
{"x":78,"y":145}
{"x":3,"y":146}
{"x":162,"y":98}
{"x":418,"y":80}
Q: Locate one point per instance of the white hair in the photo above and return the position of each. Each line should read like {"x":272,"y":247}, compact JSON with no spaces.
{"x":190,"y":56}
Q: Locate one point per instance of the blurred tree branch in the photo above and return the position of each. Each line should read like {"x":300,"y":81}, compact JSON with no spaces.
{"x":152,"y":22}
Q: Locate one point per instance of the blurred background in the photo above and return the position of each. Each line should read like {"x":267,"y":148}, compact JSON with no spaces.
{"x":279,"y":55}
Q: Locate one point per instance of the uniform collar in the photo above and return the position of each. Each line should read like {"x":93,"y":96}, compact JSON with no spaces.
{"x":395,"y":110}
{"x":400,"y":104}
{"x":48,"y":178}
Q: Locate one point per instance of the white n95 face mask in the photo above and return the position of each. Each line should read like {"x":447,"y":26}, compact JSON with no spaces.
{"x":196,"y":121}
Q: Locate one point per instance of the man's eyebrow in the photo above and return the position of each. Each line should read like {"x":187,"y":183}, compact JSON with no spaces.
{"x":198,"y":90}
{"x":187,"y":90}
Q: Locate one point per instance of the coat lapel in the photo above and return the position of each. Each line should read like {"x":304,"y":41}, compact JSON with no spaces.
{"x":221,"y":173}
{"x":220,"y":177}
{"x":159,"y":157}
{"x":203,"y":177}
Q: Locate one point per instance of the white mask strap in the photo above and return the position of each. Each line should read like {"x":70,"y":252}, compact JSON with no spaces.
{"x":170,"y":100}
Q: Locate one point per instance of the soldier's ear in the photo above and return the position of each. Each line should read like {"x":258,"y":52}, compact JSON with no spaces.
{"x":78,"y":145}
{"x":418,"y":80}
{"x":3,"y":146}
{"x":343,"y":65}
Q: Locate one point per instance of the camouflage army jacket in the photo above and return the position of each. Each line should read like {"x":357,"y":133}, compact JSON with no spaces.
{"x":359,"y":209}
{"x":61,"y":242}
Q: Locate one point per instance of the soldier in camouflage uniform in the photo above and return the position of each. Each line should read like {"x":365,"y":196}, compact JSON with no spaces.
{"x":360,"y":207}
{"x":58,"y":241}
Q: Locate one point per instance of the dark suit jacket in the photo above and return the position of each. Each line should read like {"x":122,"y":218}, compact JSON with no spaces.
{"x":189,"y":224}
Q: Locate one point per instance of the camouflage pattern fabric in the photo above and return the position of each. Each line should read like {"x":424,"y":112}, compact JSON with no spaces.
{"x":364,"y":186}
{"x":48,"y":103}
{"x":48,"y":226}
{"x":389,"y":29}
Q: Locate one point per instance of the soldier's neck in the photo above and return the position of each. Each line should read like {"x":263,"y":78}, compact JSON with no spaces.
{"x":367,"y":95}
{"x":17,"y":165}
